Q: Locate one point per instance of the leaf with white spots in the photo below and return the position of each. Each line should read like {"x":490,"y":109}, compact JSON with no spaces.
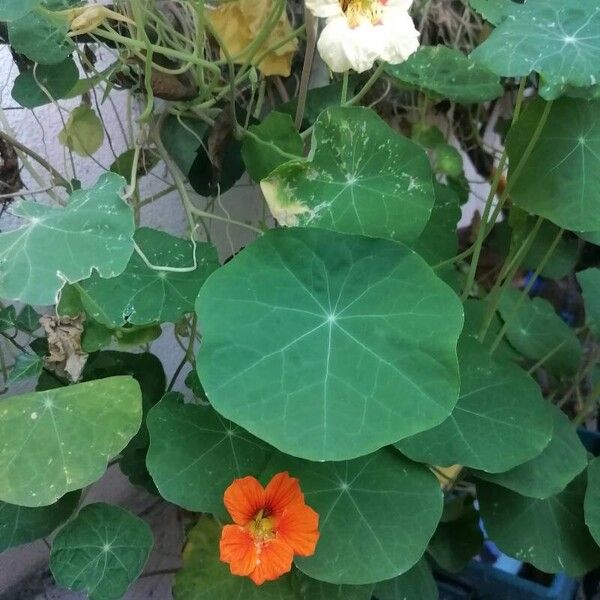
{"x":101,"y":552}
{"x":550,"y":534}
{"x":500,"y":420}
{"x":141,"y":295}
{"x":195,"y":454}
{"x":94,"y":231}
{"x":361,"y":177}
{"x":377,"y":514}
{"x":560,"y":180}
{"x":443,"y":72}
{"x":352,"y":337}
{"x":558,"y":40}
{"x":61,"y":440}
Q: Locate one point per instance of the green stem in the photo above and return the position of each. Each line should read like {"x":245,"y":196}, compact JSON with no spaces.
{"x":345,"y":88}
{"x":309,"y":57}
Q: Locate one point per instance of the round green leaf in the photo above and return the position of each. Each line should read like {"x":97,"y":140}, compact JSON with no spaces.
{"x":60,"y":440}
{"x":500,"y":420}
{"x":561,"y":178}
{"x":21,"y":525}
{"x":101,"y":552}
{"x":56,"y":79}
{"x":83,"y":133}
{"x":589,"y":280}
{"x":558,"y":40}
{"x":331,"y":332}
{"x":592,"y":500}
{"x":94,"y":231}
{"x":550,"y":534}
{"x":493,"y":10}
{"x":11,"y":10}
{"x":311,"y":589}
{"x":141,"y":295}
{"x":535,"y":330}
{"x":40,"y":36}
{"x":444,"y":72}
{"x":362,"y":177}
{"x":551,"y":471}
{"x":416,"y":584}
{"x":270,"y":144}
{"x":205,"y":577}
{"x":195,"y":454}
{"x":377,"y":515}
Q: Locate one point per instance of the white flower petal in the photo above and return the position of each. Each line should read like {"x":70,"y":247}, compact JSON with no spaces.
{"x":402,"y":4}
{"x":326,"y":8}
{"x":398,"y":36}
{"x":343,"y":47}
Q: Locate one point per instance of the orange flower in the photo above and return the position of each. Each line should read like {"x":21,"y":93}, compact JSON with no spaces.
{"x":271,"y":525}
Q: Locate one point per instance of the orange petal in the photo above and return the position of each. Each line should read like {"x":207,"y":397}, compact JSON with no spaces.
{"x":281,"y":492}
{"x":298,"y":527}
{"x":238,"y":550}
{"x":274,"y":560}
{"x":244,"y":498}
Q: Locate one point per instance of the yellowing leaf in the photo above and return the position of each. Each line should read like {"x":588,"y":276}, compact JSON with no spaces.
{"x":83,"y":132}
{"x":240,"y":22}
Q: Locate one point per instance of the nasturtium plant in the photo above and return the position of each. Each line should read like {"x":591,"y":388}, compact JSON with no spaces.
{"x":315,"y":343}
{"x":320,"y":279}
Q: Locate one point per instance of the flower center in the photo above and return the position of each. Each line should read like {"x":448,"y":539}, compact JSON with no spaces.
{"x":262,"y":527}
{"x":360,"y":11}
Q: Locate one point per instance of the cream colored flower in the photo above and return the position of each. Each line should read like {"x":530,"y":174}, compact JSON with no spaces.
{"x":359,"y":32}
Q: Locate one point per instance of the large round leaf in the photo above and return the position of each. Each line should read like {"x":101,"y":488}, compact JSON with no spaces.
{"x":94,"y":231}
{"x":195,"y":454}
{"x":550,"y":534}
{"x":205,"y":577}
{"x":101,"y":552}
{"x":493,"y":10}
{"x":589,"y":280}
{"x":362,"y":177}
{"x":561,"y":178}
{"x":60,"y":440}
{"x":558,"y":40}
{"x":444,"y":72}
{"x":311,"y":589}
{"x":416,"y":584}
{"x":141,"y":295}
{"x":20,"y":525}
{"x":322,"y":343}
{"x":537,"y":332}
{"x":592,"y":500}
{"x":551,"y":471}
{"x":500,"y":420}
{"x":11,"y":10}
{"x":377,"y":515}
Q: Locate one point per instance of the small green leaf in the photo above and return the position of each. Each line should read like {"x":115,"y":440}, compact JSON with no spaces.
{"x":493,"y":11}
{"x":195,"y":454}
{"x":551,"y":471}
{"x":141,"y":295}
{"x":123,"y":164}
{"x":137,"y":336}
{"x":41,"y":36}
{"x":8,"y":317}
{"x":270,"y":144}
{"x":558,"y":40}
{"x":101,"y":552}
{"x":592,"y":500}
{"x":181,"y":138}
{"x":26,"y":366}
{"x":589,"y":280}
{"x":11,"y":10}
{"x":311,"y":589}
{"x":192,"y":382}
{"x":362,"y":177}
{"x":560,"y":180}
{"x":83,"y":133}
{"x":28,"y":319}
{"x":389,"y":503}
{"x":205,"y":577}
{"x":57,"y":80}
{"x":21,"y":525}
{"x":535,"y":330}
{"x":60,"y":440}
{"x":52,"y":247}
{"x":550,"y":534}
{"x":500,"y":420}
{"x":95,"y":336}
{"x":339,"y":342}
{"x":416,"y":584}
{"x":443,"y":72}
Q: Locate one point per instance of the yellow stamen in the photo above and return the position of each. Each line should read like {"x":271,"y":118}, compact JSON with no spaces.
{"x":357,"y":11}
